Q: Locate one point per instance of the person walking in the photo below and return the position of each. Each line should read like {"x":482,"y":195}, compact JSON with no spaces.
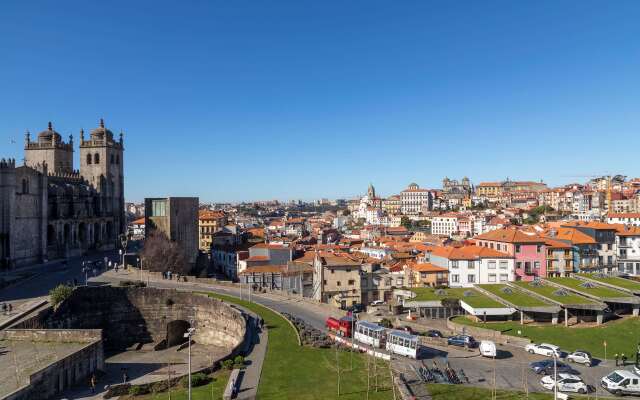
{"x":10,"y":308}
{"x":615,"y":357}
{"x":624,"y":359}
{"x":92,"y":383}
{"x":125,"y":377}
{"x":4,"y":308}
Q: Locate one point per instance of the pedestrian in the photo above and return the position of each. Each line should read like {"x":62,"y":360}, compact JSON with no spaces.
{"x":615,"y":357}
{"x":125,"y":377}
{"x":10,"y":308}
{"x":92,"y":383}
{"x":4,"y":308}
{"x":624,"y":359}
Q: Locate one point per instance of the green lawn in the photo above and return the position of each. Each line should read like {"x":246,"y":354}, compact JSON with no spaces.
{"x":291,"y":371}
{"x":477,"y":300}
{"x":548,"y":292}
{"x":211,"y":391}
{"x":598,"y":291}
{"x":516,"y":297}
{"x":456,"y":392}
{"x":616,"y":281}
{"x":622,"y":336}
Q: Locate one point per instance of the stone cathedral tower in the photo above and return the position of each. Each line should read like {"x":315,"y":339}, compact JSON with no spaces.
{"x":102,"y":165}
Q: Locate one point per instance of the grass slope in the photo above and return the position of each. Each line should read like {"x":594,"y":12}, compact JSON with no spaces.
{"x":548,"y":292}
{"x":598,"y":291}
{"x":453,"y":392}
{"x":477,"y":300}
{"x":517,"y":297}
{"x":616,"y":281}
{"x":291,"y":371}
{"x":211,"y":391}
{"x":622,"y":336}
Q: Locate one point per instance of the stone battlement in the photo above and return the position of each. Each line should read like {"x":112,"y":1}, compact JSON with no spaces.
{"x":8,"y":163}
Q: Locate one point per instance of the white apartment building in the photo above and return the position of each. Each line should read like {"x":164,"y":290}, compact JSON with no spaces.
{"x":446,"y":224}
{"x":628,"y":248}
{"x":624,"y":218}
{"x":414,"y":200}
{"x":473,"y":265}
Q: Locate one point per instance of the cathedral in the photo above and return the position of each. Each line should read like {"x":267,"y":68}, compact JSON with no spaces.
{"x":49,"y":210}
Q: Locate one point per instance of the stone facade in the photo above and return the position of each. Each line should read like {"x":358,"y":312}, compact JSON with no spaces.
{"x":49,"y":210}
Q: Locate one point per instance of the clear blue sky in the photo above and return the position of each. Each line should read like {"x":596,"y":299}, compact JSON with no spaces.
{"x":243,"y":100}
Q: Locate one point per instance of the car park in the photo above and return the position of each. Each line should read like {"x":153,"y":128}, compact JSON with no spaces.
{"x":580,"y":357}
{"x":621,"y":382}
{"x":462,"y":341}
{"x":543,"y":349}
{"x":565,"y":383}
{"x":545,"y":367}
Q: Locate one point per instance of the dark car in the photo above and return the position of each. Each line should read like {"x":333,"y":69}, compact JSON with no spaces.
{"x":545,"y":367}
{"x":434,"y":333}
{"x":462,"y":341}
{"x":356,"y":308}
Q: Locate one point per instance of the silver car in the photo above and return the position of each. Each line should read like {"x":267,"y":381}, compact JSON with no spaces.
{"x":581,"y":357}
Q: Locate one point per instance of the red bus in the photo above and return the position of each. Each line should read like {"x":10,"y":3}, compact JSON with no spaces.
{"x":341,"y":327}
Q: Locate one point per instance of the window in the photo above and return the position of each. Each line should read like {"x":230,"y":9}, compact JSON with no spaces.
{"x":454,"y":264}
{"x":536,"y":265}
{"x":504,"y":277}
{"x":113,"y":159}
{"x":117,"y":159}
{"x":158,"y":208}
{"x":519,"y":265}
{"x":517,"y":248}
{"x":352,"y":282}
{"x":504,"y":264}
{"x":539,"y":248}
{"x":332,"y":271}
{"x":492,"y":277}
{"x":338,"y":283}
{"x":471,"y":278}
{"x":455,"y":279}
{"x":324,"y":282}
{"x":88,"y":158}
{"x":25,"y":186}
{"x":492,"y":264}
{"x":96,"y":158}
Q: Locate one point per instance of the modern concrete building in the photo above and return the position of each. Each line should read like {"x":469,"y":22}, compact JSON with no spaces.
{"x":176,"y":217}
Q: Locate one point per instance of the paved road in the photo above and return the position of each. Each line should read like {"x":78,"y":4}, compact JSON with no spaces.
{"x":49,"y":276}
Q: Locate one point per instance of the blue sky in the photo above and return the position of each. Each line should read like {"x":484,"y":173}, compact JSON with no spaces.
{"x":240,"y":100}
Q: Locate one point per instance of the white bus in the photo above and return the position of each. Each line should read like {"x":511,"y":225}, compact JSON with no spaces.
{"x":370,"y":333}
{"x":403,"y":343}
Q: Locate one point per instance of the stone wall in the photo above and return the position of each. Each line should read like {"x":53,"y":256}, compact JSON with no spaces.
{"x":131,"y":315}
{"x":63,"y":373}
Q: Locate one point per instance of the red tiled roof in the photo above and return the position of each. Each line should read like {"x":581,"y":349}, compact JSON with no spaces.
{"x":509,"y":235}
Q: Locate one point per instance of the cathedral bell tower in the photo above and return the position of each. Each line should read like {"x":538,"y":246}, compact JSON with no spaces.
{"x":102,"y":165}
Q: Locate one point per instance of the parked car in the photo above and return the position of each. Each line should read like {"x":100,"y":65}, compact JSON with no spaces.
{"x":434,"y":333}
{"x":566,"y":383}
{"x":621,"y":382}
{"x":544,"y":349}
{"x":356,"y":308}
{"x":377,"y":303}
{"x":462,"y":341}
{"x":581,"y":357}
{"x":545,"y":367}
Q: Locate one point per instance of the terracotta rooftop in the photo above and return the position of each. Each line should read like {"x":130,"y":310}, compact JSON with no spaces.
{"x":510,"y":235}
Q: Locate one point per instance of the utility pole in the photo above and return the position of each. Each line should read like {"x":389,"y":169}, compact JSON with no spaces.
{"x":555,"y":377}
{"x":494,"y":392}
{"x":393,"y":386}
{"x":375,"y":370}
{"x":338,"y":369}
{"x":188,"y":335}
{"x":368,"y":374}
{"x":169,"y":379}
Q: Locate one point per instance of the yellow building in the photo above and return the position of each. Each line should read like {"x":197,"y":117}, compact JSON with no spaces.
{"x":209,"y":222}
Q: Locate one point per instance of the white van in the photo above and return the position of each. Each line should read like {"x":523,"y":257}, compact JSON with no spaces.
{"x":487,"y":348}
{"x":621,"y":382}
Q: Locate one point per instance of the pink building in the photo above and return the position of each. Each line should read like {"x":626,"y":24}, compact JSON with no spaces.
{"x":527,"y":249}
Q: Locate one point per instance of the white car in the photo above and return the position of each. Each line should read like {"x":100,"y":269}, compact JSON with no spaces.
{"x":544,"y":349}
{"x":377,"y":302}
{"x":566,"y":383}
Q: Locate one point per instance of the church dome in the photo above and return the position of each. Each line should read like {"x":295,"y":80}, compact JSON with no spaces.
{"x":100,"y":132}
{"x":49,"y":134}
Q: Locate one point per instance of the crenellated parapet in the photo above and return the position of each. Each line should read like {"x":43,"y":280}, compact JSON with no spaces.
{"x":7,"y":163}
{"x":74,"y":175}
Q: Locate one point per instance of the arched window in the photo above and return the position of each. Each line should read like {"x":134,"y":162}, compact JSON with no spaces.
{"x":25,"y":186}
{"x":112,"y":159}
{"x":96,"y":158}
{"x":88,"y":158}
{"x":117,"y":159}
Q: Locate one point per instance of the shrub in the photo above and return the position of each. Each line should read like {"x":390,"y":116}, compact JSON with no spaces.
{"x":59,"y":294}
{"x":228,"y":364}
{"x":137,"y":390}
{"x":385,"y":322}
{"x":238,"y":362}
{"x":198,"y":379}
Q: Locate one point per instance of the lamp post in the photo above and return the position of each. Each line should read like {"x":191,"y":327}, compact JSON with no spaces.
{"x":555,"y":376}
{"x":139,"y":268}
{"x":188,"y":335}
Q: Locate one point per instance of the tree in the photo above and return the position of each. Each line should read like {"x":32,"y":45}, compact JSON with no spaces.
{"x":406,"y":222}
{"x":160,"y":254}
{"x":59,"y":294}
{"x":346,"y":212}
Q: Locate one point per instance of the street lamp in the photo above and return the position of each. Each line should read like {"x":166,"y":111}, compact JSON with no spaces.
{"x":555,"y":376}
{"x":139,"y":268}
{"x":188,"y":335}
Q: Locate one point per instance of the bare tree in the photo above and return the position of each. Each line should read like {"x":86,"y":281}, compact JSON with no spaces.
{"x":160,"y":254}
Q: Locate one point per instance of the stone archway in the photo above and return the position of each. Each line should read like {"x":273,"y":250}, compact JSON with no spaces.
{"x":82,"y":234}
{"x":51,"y":235}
